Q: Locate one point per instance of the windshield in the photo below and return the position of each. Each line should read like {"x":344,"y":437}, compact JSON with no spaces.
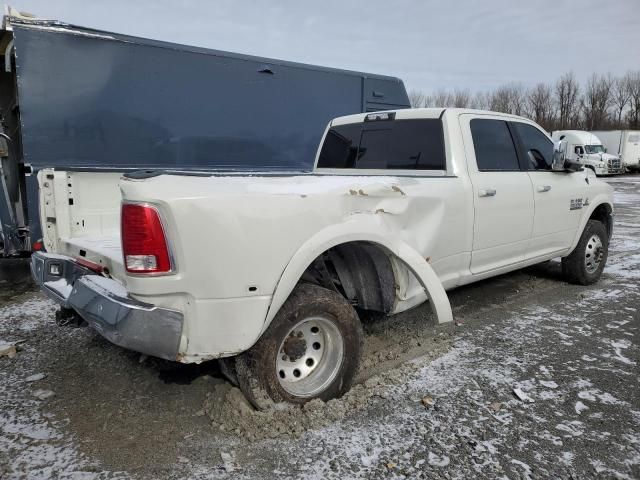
{"x":594,"y":148}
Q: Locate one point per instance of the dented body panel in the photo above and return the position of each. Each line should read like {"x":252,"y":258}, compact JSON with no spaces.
{"x":242,"y":242}
{"x":264,"y":232}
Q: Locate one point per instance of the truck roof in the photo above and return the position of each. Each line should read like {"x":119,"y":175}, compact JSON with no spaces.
{"x":577,"y":136}
{"x":431,"y":112}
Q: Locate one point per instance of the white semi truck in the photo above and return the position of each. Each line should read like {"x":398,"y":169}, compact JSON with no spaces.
{"x":625,"y":144}
{"x":586,"y":149}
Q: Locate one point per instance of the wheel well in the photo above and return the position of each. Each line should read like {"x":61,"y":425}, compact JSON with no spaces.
{"x":362,"y":272}
{"x":603,"y":213}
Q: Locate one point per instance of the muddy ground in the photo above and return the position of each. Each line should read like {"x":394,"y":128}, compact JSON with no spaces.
{"x":432,"y":402}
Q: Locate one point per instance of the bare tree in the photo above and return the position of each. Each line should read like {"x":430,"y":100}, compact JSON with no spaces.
{"x":461,"y":98}
{"x":518,"y":99}
{"x":607,"y":102}
{"x":508,"y":99}
{"x":620,"y":97}
{"x":499,"y":100}
{"x":634,"y":92}
{"x":481,"y":101}
{"x":540,"y":107}
{"x":417,"y":98}
{"x":441,"y":98}
{"x":596,"y":101}
{"x":566,"y":96}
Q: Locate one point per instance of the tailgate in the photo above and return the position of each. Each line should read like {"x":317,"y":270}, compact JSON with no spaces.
{"x":80,"y":214}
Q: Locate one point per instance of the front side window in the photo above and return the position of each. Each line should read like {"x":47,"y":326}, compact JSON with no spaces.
{"x":537,"y":146}
{"x":494,"y":146}
{"x":390,"y":144}
{"x":594,"y":148}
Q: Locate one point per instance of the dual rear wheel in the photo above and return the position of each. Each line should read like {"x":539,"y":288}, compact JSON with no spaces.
{"x":311,"y":350}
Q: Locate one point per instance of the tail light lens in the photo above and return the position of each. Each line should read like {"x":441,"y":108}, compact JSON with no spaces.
{"x":144,"y":245}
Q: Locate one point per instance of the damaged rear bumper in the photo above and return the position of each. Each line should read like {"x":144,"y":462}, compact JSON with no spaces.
{"x":105,"y":305}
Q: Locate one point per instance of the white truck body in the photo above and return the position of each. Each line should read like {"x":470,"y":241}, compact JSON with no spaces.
{"x":240,"y":243}
{"x":587,"y":149}
{"x":623,"y":143}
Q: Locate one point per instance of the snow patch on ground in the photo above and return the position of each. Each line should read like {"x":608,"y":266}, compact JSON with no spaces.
{"x":29,"y":314}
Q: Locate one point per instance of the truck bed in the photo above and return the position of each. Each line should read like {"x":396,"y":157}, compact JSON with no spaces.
{"x":81,"y":213}
{"x":107,"y":246}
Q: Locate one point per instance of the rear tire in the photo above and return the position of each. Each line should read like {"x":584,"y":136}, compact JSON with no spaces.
{"x":311,"y":350}
{"x":585,"y":264}
{"x":228,"y":369}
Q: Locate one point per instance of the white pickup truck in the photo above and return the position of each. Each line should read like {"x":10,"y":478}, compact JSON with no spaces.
{"x":271,"y":270}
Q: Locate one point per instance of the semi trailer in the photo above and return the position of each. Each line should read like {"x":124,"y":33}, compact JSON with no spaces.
{"x":625,"y":144}
{"x":79,"y":99}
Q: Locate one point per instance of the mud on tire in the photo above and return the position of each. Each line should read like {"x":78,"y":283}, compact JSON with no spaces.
{"x":585,"y":264}
{"x":311,"y":350}
{"x":227,"y":367}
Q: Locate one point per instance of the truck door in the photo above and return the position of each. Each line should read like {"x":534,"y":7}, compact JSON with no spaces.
{"x":558,"y":196}
{"x":502,"y":194}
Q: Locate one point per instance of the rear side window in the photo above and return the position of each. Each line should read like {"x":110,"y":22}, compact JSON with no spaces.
{"x":394,"y":144}
{"x":493,"y":145}
{"x":537,"y":147}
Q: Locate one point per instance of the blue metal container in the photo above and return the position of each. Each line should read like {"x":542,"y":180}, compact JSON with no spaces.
{"x":76,"y":98}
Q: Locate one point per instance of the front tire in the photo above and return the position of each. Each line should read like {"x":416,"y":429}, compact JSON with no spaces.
{"x":311,"y":350}
{"x":585,"y":264}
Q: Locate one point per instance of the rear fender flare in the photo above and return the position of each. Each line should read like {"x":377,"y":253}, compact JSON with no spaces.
{"x":368,"y":231}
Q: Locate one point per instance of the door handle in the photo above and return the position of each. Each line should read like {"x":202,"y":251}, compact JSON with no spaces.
{"x":544,"y":188}
{"x":487,"y":192}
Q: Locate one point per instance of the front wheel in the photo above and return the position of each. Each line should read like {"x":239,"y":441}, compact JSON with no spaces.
{"x":311,"y":350}
{"x":585,"y":264}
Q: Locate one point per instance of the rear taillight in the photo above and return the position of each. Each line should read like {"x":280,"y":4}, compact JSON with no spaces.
{"x":144,"y":245}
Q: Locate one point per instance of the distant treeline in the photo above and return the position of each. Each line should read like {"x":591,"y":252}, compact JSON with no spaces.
{"x":604,"y":102}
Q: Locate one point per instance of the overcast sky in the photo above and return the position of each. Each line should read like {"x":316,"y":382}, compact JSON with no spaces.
{"x":429,"y":44}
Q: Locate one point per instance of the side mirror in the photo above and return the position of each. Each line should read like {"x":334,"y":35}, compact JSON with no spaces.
{"x":560,"y":161}
{"x":559,"y":156}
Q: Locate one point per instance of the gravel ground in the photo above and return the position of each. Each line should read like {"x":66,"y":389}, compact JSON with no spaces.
{"x":432,"y":401}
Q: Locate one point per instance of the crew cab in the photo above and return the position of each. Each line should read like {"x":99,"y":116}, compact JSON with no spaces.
{"x":271,"y":271}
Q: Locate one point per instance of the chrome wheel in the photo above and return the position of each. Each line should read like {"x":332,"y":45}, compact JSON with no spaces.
{"x":593,"y":254}
{"x":310,"y":357}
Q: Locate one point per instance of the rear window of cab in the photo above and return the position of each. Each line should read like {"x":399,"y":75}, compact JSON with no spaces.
{"x":412,"y":144}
